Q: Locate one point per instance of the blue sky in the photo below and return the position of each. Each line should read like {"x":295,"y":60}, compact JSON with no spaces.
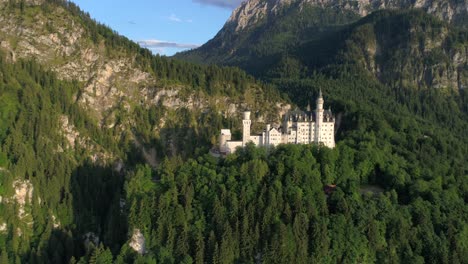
{"x":164,"y":26}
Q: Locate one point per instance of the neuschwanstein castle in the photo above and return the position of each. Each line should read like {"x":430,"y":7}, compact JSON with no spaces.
{"x":298,"y":127}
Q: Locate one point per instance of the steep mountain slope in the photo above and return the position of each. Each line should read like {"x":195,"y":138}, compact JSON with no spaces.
{"x":79,"y":107}
{"x":429,"y":54}
{"x":401,"y":49}
{"x":250,"y":13}
{"x":262,"y":36}
{"x":115,"y":73}
{"x":255,"y":33}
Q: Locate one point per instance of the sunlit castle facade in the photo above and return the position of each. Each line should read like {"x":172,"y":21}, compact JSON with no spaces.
{"x":298,"y":127}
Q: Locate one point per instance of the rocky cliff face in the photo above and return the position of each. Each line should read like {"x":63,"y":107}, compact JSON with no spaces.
{"x":62,"y":44}
{"x":409,"y":50}
{"x":268,"y":37}
{"x":251,"y":12}
{"x":110,"y":79}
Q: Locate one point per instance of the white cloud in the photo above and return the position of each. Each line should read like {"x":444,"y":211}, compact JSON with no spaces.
{"x":154,"y":44}
{"x":159,"y":51}
{"x":174,"y":18}
{"x":231,"y":4}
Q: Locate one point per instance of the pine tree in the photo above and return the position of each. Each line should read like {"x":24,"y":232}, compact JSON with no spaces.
{"x":226,"y":251}
{"x":216,"y":259}
{"x":200,"y":249}
{"x":4,"y":257}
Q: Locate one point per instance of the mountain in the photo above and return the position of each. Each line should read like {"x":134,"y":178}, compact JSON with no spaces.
{"x":250,"y":13}
{"x":262,"y":36}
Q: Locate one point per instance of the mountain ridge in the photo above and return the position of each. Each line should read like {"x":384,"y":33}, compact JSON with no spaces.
{"x":249,"y":12}
{"x":298,"y":33}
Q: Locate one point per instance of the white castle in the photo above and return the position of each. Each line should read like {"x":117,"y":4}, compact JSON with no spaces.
{"x":299,"y":127}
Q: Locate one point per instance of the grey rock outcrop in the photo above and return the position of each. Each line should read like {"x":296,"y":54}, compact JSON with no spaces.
{"x":138,"y":242}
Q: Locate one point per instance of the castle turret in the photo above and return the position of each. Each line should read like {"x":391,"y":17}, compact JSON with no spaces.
{"x":223,"y":139}
{"x":246,"y":128}
{"x":320,"y":101}
{"x":319,"y":118}
{"x":267,"y":134}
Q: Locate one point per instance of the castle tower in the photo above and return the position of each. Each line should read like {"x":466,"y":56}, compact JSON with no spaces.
{"x":267,"y":134}
{"x":319,"y":118}
{"x":246,"y":123}
{"x":320,"y":101}
{"x":223,"y":139}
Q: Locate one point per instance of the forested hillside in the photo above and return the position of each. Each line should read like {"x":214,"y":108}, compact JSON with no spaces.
{"x":120,"y":80}
{"x":400,"y":168}
{"x":270,"y":206}
{"x":396,"y":134}
{"x":75,"y":122}
{"x":39,"y":187}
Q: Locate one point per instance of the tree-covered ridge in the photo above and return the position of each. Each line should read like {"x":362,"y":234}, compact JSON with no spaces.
{"x":270,"y":205}
{"x":212,"y":79}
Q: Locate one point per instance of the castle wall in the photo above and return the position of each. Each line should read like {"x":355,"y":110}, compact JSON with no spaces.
{"x":275,"y":137}
{"x":232,"y":145}
{"x":327,"y":134}
{"x":257,"y":140}
{"x":291,"y":138}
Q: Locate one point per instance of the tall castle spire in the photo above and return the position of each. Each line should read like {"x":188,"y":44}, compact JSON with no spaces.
{"x":320,"y":101}
{"x":319,"y":118}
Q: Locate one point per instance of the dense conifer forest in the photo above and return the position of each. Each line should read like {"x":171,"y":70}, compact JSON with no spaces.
{"x":400,"y":197}
{"x":400,"y":169}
